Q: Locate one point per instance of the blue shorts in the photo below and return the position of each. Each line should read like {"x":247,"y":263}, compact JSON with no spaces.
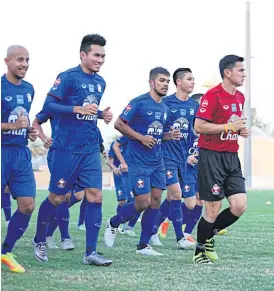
{"x":190,"y":185}
{"x":68,"y":168}
{"x":127,"y":186}
{"x":119,"y":188}
{"x":16,"y":171}
{"x":175,"y":171}
{"x":143,"y":179}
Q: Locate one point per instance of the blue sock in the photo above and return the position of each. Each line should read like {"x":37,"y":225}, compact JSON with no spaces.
{"x":6,"y":205}
{"x":118,"y":208}
{"x":164,"y":213}
{"x":62,"y":214}
{"x":45,"y":214}
{"x":82,"y":211}
{"x":126,"y":213}
{"x":73,"y":200}
{"x":148,"y":222}
{"x":193,"y":218}
{"x":133,"y":221}
{"x":53,"y":224}
{"x":18,"y":224}
{"x":176,"y":218}
{"x":93,"y":219}
{"x":185,"y":212}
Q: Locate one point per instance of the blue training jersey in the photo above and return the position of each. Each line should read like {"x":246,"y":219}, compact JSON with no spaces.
{"x":147,"y":117}
{"x":112,"y":155}
{"x":15,"y":100}
{"x":77,"y":133}
{"x":182,"y":114}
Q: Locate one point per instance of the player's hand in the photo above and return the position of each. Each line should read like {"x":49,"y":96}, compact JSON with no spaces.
{"x":245,"y":133}
{"x":175,"y":134}
{"x":33,"y":133}
{"x":192,"y":160}
{"x":238,"y":124}
{"x":148,"y":141}
{"x":116,"y":171}
{"x":90,"y":109}
{"x":105,"y":154}
{"x":21,"y":122}
{"x":107,"y":115}
{"x":47,"y":142}
{"x":124,"y":167}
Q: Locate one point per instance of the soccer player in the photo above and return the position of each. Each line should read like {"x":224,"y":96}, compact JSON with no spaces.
{"x":219,"y":122}
{"x":6,"y":204}
{"x":145,"y":120}
{"x":16,"y":167}
{"x":182,"y":114}
{"x":75,"y":97}
{"x":120,"y":150}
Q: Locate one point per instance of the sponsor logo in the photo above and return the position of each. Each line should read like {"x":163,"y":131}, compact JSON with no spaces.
{"x":225,"y":107}
{"x":8,"y":98}
{"x":205,"y":103}
{"x":233,"y":108}
{"x":202,"y":110}
{"x":20,"y":99}
{"x":127,"y":109}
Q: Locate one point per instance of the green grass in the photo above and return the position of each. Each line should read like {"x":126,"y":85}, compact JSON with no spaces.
{"x":246,"y":258}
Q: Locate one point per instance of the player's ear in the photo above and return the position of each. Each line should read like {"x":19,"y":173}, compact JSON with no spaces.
{"x":151,"y":83}
{"x":82,"y":55}
{"x":6,"y":61}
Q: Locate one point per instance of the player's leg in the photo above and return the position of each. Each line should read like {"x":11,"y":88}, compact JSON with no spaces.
{"x":211,"y":185}
{"x":236,"y":194}
{"x":20,"y":179}
{"x":81,"y":219}
{"x":140,"y":179}
{"x":64,"y":172}
{"x":6,"y":203}
{"x":193,"y":217}
{"x":90,"y":178}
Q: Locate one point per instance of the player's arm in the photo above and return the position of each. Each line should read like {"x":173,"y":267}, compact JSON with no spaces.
{"x":117,"y":151}
{"x":115,"y":170}
{"x":203,"y":121}
{"x":21,"y":122}
{"x":47,"y":141}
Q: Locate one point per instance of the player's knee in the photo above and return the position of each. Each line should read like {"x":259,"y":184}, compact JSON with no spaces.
{"x":238,"y":209}
{"x":212,"y":210}
{"x":94,"y":195}
{"x":142,"y":203}
{"x":79,"y":195}
{"x":190,"y":202}
{"x":27,"y":208}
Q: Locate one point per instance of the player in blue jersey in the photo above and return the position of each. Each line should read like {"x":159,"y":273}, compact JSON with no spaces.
{"x":118,"y":152}
{"x":145,"y":121}
{"x":75,"y":98}
{"x":16,"y":167}
{"x":182,"y":113}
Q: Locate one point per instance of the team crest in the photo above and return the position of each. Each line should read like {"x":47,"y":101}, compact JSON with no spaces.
{"x":99,"y":88}
{"x":56,"y":83}
{"x":127,"y":109}
{"x":120,"y":192}
{"x":29,"y":97}
{"x":140,"y":183}
{"x":215,"y":190}
{"x":187,"y":188}
{"x":62,"y":183}
{"x":169,"y":174}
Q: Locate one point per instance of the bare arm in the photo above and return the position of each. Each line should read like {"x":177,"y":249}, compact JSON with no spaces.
{"x":203,"y":126}
{"x":125,"y":129}
{"x":38,"y":126}
{"x":8,"y":126}
{"x":116,"y":148}
{"x":110,"y":163}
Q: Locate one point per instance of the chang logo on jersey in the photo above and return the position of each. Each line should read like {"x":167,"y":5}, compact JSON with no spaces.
{"x":194,"y":150}
{"x":90,"y":99}
{"x":13,"y":117}
{"x":230,"y":135}
{"x":182,"y":125}
{"x":156,"y":129}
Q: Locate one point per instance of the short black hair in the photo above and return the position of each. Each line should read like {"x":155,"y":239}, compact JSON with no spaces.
{"x":228,"y":62}
{"x":179,"y":74}
{"x":157,"y":71}
{"x":197,"y":97}
{"x":90,"y":39}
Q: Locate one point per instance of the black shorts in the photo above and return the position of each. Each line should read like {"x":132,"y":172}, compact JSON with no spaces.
{"x":219,"y":175}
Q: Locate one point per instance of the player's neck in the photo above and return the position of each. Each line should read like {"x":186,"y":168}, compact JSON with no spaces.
{"x":181,"y":95}
{"x":228,"y":87}
{"x":155,"y":96}
{"x":12,"y":79}
{"x":86,"y":70}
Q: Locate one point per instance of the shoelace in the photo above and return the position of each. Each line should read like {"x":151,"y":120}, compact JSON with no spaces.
{"x":42,"y":249}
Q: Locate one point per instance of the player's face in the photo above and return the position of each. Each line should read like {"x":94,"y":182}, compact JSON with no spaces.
{"x":160,"y":84}
{"x":94,"y":59}
{"x":18,"y":63}
{"x":236,"y":75}
{"x":187,"y":83}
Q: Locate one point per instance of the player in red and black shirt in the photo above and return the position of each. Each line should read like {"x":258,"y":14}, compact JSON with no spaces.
{"x":219,"y":121}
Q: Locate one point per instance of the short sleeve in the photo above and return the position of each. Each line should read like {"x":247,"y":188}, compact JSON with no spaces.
{"x":60,"y":86}
{"x":42,"y":117}
{"x":111,"y":153}
{"x":130,"y":111}
{"x":168,"y":123}
{"x":207,"y":107}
